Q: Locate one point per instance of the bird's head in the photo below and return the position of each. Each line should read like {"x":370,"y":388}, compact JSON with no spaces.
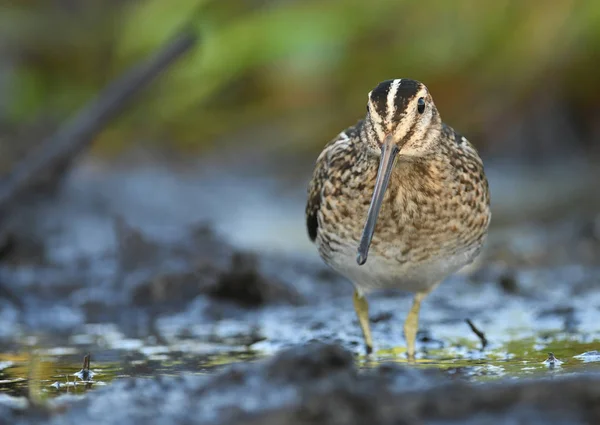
{"x":400,"y":113}
{"x":401,"y":120}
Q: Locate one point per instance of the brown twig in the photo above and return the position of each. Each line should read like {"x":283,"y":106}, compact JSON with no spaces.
{"x":75,"y":135}
{"x":86,"y":362}
{"x":479,"y":334}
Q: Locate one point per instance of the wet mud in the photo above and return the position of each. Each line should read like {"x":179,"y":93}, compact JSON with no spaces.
{"x":193,"y":312}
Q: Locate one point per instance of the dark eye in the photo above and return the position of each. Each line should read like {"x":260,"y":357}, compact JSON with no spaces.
{"x":421,"y":105}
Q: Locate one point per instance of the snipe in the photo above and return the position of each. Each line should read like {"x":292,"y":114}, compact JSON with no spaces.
{"x":404,"y":188}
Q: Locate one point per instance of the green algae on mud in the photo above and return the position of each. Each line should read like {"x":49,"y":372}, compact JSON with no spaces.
{"x":21,"y":372}
{"x":517,"y":359}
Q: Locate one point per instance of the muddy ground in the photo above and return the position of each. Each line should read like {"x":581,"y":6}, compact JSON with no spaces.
{"x":168,"y":275}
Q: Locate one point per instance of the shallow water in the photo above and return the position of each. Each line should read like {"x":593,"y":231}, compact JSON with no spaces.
{"x":54,"y":371}
{"x":55,"y":374}
{"x":519,"y":359}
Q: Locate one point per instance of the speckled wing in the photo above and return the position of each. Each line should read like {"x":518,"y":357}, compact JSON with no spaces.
{"x":314,"y":194}
{"x":320,"y":175}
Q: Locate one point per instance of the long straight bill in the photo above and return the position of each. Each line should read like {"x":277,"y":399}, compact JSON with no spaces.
{"x":386,"y":164}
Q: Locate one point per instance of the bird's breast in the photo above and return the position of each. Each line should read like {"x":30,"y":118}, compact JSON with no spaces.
{"x":431,"y":217}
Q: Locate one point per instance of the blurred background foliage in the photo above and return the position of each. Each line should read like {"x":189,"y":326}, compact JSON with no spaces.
{"x":519,"y":78}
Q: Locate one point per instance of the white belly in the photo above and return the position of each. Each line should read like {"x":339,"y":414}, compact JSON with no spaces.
{"x":382,"y":273}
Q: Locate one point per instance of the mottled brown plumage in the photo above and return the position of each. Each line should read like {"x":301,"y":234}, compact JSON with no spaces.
{"x":434,"y":213}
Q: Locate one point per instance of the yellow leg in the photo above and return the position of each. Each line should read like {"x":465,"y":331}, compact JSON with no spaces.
{"x":362,"y":311}
{"x":411,"y":324}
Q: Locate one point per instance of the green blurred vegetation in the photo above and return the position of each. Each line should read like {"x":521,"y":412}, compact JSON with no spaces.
{"x":294,"y":73}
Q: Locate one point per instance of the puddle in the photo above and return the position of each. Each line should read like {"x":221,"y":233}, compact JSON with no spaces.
{"x":517,"y":360}
{"x":52,"y":374}
{"x":55,"y":375}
